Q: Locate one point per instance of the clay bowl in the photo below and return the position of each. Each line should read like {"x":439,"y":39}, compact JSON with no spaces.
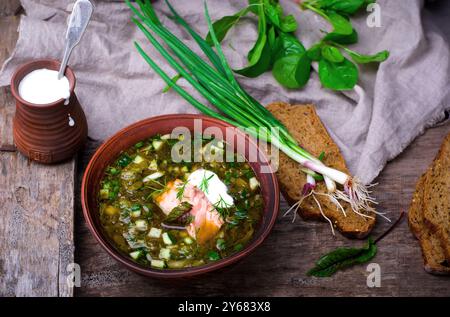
{"x":124,"y":139}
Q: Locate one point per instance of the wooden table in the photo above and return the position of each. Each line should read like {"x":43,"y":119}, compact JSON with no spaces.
{"x":42,"y":230}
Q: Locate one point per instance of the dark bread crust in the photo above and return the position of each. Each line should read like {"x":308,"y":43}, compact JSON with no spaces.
{"x":437,"y":197}
{"x":432,"y":251}
{"x":305,"y":125}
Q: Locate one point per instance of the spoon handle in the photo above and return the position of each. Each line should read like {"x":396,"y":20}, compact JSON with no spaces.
{"x":79,"y":19}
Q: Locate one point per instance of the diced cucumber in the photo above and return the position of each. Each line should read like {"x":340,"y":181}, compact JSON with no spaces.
{"x":155,"y":233}
{"x":184,"y":169}
{"x":153,"y":176}
{"x":136,"y":254}
{"x":167,"y":239}
{"x":253,"y":183}
{"x":153,"y":165}
{"x":157,"y":144}
{"x":138,"y":159}
{"x":141,"y":225}
{"x":158,"y":263}
{"x":188,"y":240}
{"x":164,"y":254}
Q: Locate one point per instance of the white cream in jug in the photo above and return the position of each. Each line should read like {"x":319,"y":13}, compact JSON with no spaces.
{"x":42,"y":86}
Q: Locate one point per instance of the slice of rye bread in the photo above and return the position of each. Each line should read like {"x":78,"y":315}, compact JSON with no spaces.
{"x":304,"y":124}
{"x":432,"y":251}
{"x":437,"y":197}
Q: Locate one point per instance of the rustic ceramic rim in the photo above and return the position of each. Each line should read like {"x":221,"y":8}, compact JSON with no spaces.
{"x":52,"y":64}
{"x":274,"y":200}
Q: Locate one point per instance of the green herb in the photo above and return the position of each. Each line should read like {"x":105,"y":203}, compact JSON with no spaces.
{"x":113,"y":171}
{"x":346,"y":7}
{"x":321,"y":156}
{"x":180,"y":191}
{"x":173,"y":81}
{"x":124,"y":160}
{"x":345,"y":39}
{"x":113,"y":188}
{"x":338,"y":76}
{"x":213,"y":255}
{"x":342,"y":258}
{"x":139,"y":145}
{"x":292,"y":71}
{"x":248,"y":173}
{"x":332,"y":54}
{"x":259,"y":56}
{"x":238,"y":247}
{"x":363,"y":59}
{"x":278,"y":49}
{"x":135,"y":207}
{"x":204,"y":184}
{"x":227,"y":179}
{"x":216,"y":83}
{"x":220,"y":244}
{"x":223,"y":25}
{"x":335,"y":71}
{"x":178,"y":211}
{"x":241,"y":214}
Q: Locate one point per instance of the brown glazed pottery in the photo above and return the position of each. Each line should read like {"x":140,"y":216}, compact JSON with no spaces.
{"x":42,"y":132}
{"x":126,"y":138}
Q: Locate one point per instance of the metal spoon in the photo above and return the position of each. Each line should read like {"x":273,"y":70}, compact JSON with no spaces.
{"x":79,"y":19}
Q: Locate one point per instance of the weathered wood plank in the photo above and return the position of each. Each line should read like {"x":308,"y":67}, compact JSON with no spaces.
{"x":9,"y":34}
{"x":278,"y":267}
{"x":9,"y":7}
{"x":36,"y":225}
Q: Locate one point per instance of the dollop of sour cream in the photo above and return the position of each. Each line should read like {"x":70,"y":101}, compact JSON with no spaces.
{"x":42,"y":86}
{"x":215,"y":190}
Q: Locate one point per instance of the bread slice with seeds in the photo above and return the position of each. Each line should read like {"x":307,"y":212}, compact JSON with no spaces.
{"x":437,"y":197}
{"x":304,"y":124}
{"x":432,"y":251}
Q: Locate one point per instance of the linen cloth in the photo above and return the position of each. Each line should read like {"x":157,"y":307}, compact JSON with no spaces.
{"x":372,"y":123}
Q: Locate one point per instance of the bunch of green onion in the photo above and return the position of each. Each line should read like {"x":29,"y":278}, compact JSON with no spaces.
{"x":216,"y":83}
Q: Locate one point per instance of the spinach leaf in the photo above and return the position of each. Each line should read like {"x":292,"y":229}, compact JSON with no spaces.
{"x":292,"y":71}
{"x":346,"y":39}
{"x":340,"y":24}
{"x":274,"y":14}
{"x":342,"y":258}
{"x":222,"y":26}
{"x":332,"y":54}
{"x":260,"y":66}
{"x":272,"y":38}
{"x":338,"y":76}
{"x":288,"y":24}
{"x":363,"y":59}
{"x":315,"y":52}
{"x":253,"y":5}
{"x":260,"y":55}
{"x":288,"y":44}
{"x":342,"y":6}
